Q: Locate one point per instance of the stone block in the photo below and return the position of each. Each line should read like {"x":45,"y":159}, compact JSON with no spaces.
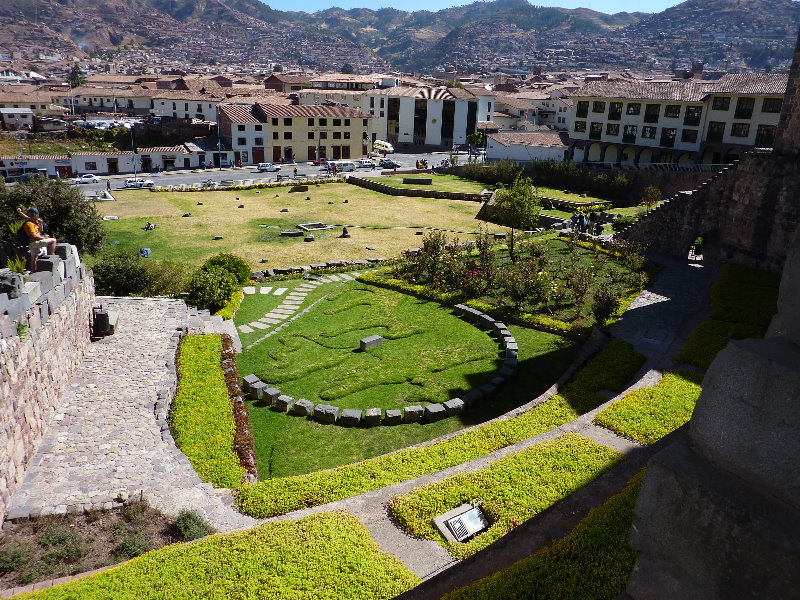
{"x":505,"y":373}
{"x":44,"y":279}
{"x":488,"y":390}
{"x":512,"y":347}
{"x":511,"y":362}
{"x":498,"y":381}
{"x":393,"y":416}
{"x":32,"y":290}
{"x":372,"y":417}
{"x":412,"y":414}
{"x":257,"y":390}
{"x":454,"y":406}
{"x":271,"y":394}
{"x":283,"y":403}
{"x":370,"y":342}
{"x":10,"y":283}
{"x":325,"y":413}
{"x":249,"y":380}
{"x":303,"y":407}
{"x":485,"y":321}
{"x":51,"y":263}
{"x":435,"y":412}
{"x":63,"y":251}
{"x":472,"y":397}
{"x":350,"y":417}
{"x":4,"y":302}
{"x":509,"y":339}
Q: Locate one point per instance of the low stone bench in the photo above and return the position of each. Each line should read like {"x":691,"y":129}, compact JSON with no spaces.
{"x":372,"y":417}
{"x":257,"y":389}
{"x":418,"y":180}
{"x":284,"y":403}
{"x":393,"y":417}
{"x":412,"y":414}
{"x":325,"y":413}
{"x":454,"y":406}
{"x":370,"y":342}
{"x":435,"y":412}
{"x":350,"y":417}
{"x":303,"y":407}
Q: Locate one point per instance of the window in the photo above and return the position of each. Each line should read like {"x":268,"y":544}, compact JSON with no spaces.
{"x":382,"y":99}
{"x":629,"y":134}
{"x":649,"y":133}
{"x":274,"y":135}
{"x":668,"y":136}
{"x":741,"y":130}
{"x":612,"y":129}
{"x":287,"y":135}
{"x":772,"y":105}
{"x":672,"y":111}
{"x":323,"y":135}
{"x":744,"y":108}
{"x":598,"y":106}
{"x":275,"y":121}
{"x":381,"y":114}
{"x":347,"y":135}
{"x":596,"y":131}
{"x":90,"y":166}
{"x":311,"y":135}
{"x":372,"y":101}
{"x":258,"y":127}
{"x":716,"y":131}
{"x":689,"y":136}
{"x":287,"y":122}
{"x":692,"y":116}
{"x":651,"y":112}
{"x":323,"y":122}
{"x":347,"y":122}
{"x":721,"y":103}
{"x":259,"y":141}
{"x":241,"y":141}
{"x":337,"y":122}
{"x":615,"y":111}
{"x":311,"y":122}
{"x":580,"y":126}
{"x":337,"y":135}
{"x":364,"y":122}
{"x":582,"y":109}
{"x":765,"y":136}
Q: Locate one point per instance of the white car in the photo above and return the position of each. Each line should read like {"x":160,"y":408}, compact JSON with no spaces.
{"x":262,"y":167}
{"x":88,"y":178}
{"x":138,"y":182}
{"x":366,"y":163}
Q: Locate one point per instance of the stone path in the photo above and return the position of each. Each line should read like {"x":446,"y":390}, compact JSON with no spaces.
{"x":105,"y":442}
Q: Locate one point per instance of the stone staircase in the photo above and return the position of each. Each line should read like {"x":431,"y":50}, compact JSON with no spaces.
{"x":201,"y":321}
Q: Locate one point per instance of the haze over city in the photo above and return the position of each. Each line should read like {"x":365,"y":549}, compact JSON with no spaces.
{"x":605,"y":6}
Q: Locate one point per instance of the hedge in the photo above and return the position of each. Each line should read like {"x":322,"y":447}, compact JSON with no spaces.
{"x":511,"y":490}
{"x":648,"y":414}
{"x":329,"y":555}
{"x":229,"y":310}
{"x":201,"y":417}
{"x":707,"y":339}
{"x":592,"y":562}
{"x":278,"y":496}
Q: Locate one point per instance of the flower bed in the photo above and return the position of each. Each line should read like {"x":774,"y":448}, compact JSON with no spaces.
{"x":201,"y":416}
{"x":648,"y":414}
{"x":322,"y":556}
{"x":511,"y":490}
{"x":593,"y":561}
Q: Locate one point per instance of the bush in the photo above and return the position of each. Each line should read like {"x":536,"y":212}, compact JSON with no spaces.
{"x":211,"y":288}
{"x":133,"y":544}
{"x":14,"y":556}
{"x":604,"y":304}
{"x":238,"y":267}
{"x":191,"y":526}
{"x":120,"y":274}
{"x":165,"y":278}
{"x":230,"y":308}
{"x":622,"y":222}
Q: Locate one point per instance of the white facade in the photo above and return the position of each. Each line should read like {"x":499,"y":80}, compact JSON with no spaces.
{"x":14,"y":119}
{"x":185,"y":106}
{"x":526,"y":147}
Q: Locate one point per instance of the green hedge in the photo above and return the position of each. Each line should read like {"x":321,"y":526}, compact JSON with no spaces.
{"x":593,"y":561}
{"x":281,"y":495}
{"x":648,"y":414}
{"x":707,"y":339}
{"x":229,"y":310}
{"x":201,"y":418}
{"x":513,"y":489}
{"x":329,"y":555}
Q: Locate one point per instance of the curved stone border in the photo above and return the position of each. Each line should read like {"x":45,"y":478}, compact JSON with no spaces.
{"x":353,"y":417}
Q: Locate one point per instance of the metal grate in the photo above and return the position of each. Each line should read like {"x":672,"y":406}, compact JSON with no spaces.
{"x":459,"y":529}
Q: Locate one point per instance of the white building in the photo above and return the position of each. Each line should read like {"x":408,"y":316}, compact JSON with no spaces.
{"x":525,"y":147}
{"x":15,"y":119}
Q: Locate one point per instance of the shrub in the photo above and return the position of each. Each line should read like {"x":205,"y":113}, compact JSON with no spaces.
{"x":165,"y":278}
{"x":604,"y":304}
{"x":191,"y":526}
{"x":211,"y":288}
{"x":14,"y":556}
{"x":230,"y":308}
{"x":622,"y":222}
{"x":233,"y":264}
{"x":120,"y":274}
{"x":133,"y":544}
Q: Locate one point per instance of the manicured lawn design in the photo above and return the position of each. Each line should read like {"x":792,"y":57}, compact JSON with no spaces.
{"x":572,"y":196}
{"x":201,"y":415}
{"x":441,"y":182}
{"x":325,"y":556}
{"x":610,"y":369}
{"x":189,"y":239}
{"x":648,"y":414}
{"x":514,"y":488}
{"x":593,"y":561}
{"x":428,"y":354}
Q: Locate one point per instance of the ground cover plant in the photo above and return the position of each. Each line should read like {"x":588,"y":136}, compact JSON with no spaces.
{"x":58,"y":546}
{"x":511,"y":490}
{"x":441,"y":182}
{"x":386,"y":223}
{"x":609,"y":369}
{"x":743,"y":301}
{"x":592,"y":562}
{"x":201,"y":416}
{"x":648,"y":414}
{"x":322,"y":556}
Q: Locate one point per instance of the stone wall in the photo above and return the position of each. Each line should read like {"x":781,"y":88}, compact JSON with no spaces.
{"x":393,"y":191}
{"x":35,"y":369}
{"x":787,"y":136}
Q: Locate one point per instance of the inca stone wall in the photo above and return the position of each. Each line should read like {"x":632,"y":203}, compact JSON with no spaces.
{"x":787,"y":137}
{"x":35,"y":370}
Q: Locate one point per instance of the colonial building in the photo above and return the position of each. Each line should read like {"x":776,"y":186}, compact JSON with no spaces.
{"x":686,"y":122}
{"x":522,"y":147}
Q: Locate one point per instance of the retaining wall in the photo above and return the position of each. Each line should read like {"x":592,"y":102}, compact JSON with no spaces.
{"x":393,"y":191}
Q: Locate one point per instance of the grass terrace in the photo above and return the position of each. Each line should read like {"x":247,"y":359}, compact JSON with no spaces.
{"x":441,"y":182}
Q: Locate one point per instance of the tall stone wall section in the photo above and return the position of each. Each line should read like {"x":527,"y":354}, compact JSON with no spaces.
{"x":787,"y":137}
{"x":35,"y":371}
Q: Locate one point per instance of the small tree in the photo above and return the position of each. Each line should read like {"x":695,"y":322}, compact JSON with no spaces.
{"x":347,"y":69}
{"x":519,"y":206}
{"x":651,"y":197}
{"x":76,"y":76}
{"x":276,"y":68}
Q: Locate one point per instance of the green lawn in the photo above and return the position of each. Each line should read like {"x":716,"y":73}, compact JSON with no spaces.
{"x":441,"y":182}
{"x":572,"y":196}
{"x":325,"y":556}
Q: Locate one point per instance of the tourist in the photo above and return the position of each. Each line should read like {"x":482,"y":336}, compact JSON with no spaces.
{"x":34,"y":229}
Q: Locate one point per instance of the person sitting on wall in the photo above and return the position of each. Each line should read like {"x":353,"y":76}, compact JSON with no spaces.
{"x":34,"y":229}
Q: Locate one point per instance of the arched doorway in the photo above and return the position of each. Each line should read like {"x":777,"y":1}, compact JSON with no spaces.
{"x":612,"y":154}
{"x":646,"y":157}
{"x":594,"y":152}
{"x":686,"y":159}
{"x":627,"y":156}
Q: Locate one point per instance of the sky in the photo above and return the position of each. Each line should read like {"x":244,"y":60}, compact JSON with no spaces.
{"x":606,"y":6}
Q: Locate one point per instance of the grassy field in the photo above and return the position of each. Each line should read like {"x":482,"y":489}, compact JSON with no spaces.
{"x":443,"y":182}
{"x":572,"y":196}
{"x":254,"y":231}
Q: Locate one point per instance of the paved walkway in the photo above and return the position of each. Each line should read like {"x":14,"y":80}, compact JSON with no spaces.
{"x":105,"y":443}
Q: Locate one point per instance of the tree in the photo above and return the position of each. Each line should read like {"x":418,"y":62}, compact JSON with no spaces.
{"x":276,"y":68}
{"x":69,"y":217}
{"x":347,"y":69}
{"x":76,"y":76}
{"x":519,"y":207}
{"x":651,"y":197}
{"x":477,"y":139}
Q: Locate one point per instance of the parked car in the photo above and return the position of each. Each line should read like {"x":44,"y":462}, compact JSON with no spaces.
{"x":366,"y":163}
{"x":477,"y":151}
{"x":138,"y":182}
{"x":264,"y":167}
{"x":320,"y":161}
{"x":88,"y":178}
{"x":388,"y":163}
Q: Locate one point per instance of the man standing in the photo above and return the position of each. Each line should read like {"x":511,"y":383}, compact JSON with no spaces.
{"x":34,"y":229}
